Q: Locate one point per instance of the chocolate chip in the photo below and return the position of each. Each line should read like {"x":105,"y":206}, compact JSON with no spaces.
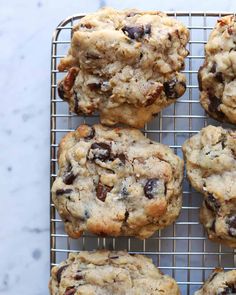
{"x":219,"y":77}
{"x":213,"y":68}
{"x":174,"y":89}
{"x":78,"y":276}
{"x":101,"y":151}
{"x":94,"y":86}
{"x":150,"y":188}
{"x":61,"y":91}
{"x":133,"y":32}
{"x":121,"y":157}
{"x":147,"y":29}
{"x":126,"y":215}
{"x":213,"y":106}
{"x":69,"y":177}
{"x":70,"y":291}
{"x":102,"y":191}
{"x":169,"y":36}
{"x":230,"y":289}
{"x":231,"y":221}
{"x":124,"y":192}
{"x":91,"y":133}
{"x":60,"y":271}
{"x":61,"y":192}
{"x":211,"y":203}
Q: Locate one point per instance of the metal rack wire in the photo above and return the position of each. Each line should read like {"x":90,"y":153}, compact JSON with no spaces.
{"x":181,"y":250}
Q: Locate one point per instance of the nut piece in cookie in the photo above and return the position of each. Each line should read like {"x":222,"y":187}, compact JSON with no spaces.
{"x":115,"y":181}
{"x":220,"y":283}
{"x":217,"y":78}
{"x":111,"y":273}
{"x":125,"y":64}
{"x":211,"y":169}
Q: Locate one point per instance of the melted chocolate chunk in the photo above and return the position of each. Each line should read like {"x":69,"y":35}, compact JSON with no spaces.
{"x":150,"y":188}
{"x":213,"y":68}
{"x":102,"y":191}
{"x":121,"y":157}
{"x":101,"y":151}
{"x":147,"y":29}
{"x":69,"y":177}
{"x":78,"y":276}
{"x":126,"y":215}
{"x":60,"y":271}
{"x":136,"y":32}
{"x":219,"y":77}
{"x":61,"y":192}
{"x":211,"y":203}
{"x":213,"y":106}
{"x":172,"y":88}
{"x":70,"y":291}
{"x":124,"y":192}
{"x":91,"y":133}
{"x":61,"y":91}
{"x":94,"y":86}
{"x":231,"y":221}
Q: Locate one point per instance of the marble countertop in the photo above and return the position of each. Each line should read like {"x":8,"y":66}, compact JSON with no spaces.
{"x":25,"y":35}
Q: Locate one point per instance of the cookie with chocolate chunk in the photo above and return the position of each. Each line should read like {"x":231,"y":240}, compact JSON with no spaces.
{"x":211,"y":169}
{"x":219,"y":283}
{"x":124,"y":64}
{"x":110,"y":273}
{"x":115,"y":181}
{"x":217,"y":76}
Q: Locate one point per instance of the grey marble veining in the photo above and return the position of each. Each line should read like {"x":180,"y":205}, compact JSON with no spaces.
{"x":25,"y":34}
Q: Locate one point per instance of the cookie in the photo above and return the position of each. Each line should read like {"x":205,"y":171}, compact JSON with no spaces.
{"x":124,"y":64}
{"x":217,"y":81}
{"x":108,"y":273}
{"x":211,"y":169}
{"x":115,"y":181}
{"x":219,"y":283}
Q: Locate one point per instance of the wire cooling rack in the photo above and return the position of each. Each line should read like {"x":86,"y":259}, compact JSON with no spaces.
{"x":181,"y":250}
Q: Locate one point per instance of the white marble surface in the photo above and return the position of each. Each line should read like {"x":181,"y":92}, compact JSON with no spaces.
{"x":25,"y":35}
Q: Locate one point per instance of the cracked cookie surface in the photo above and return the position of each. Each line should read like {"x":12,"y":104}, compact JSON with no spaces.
{"x":219,"y":283}
{"x":217,"y":76}
{"x":211,"y":169}
{"x":125,"y":64}
{"x":107,"y":273}
{"x":115,"y":181}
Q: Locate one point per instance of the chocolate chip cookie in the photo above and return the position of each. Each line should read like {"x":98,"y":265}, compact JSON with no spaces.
{"x":108,"y":273}
{"x":217,"y":76}
{"x":124,"y":64}
{"x":219,"y":283}
{"x":115,"y":181}
{"x":211,"y":169}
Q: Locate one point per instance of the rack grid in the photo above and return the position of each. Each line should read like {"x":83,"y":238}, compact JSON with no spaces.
{"x":182,"y":250}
